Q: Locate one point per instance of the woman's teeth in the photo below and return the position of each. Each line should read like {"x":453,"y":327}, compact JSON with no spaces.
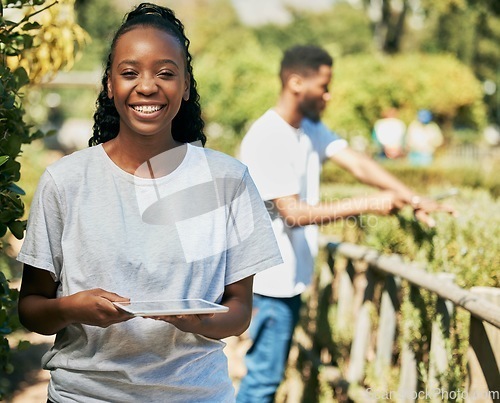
{"x":147,"y":108}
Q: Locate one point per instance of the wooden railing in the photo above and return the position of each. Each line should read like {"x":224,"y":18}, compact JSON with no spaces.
{"x":376,"y":344}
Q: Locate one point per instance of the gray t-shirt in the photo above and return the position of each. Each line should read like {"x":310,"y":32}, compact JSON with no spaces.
{"x":183,"y":235}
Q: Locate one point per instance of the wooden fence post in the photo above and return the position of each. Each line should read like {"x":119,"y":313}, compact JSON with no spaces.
{"x":362,"y":332}
{"x":408,"y":376}
{"x":386,"y":333}
{"x":438,"y":361}
{"x":345,"y":297}
{"x":484,"y":354}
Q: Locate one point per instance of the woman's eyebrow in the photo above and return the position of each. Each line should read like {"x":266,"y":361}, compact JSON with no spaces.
{"x":158,"y":62}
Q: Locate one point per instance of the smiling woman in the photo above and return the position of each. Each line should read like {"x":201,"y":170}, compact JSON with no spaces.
{"x":147,"y":83}
{"x":187,"y":124}
{"x":143,"y":215}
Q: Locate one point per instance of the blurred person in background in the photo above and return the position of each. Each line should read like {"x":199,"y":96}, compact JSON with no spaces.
{"x":284,"y":150}
{"x":388,"y":134}
{"x":422,"y":139}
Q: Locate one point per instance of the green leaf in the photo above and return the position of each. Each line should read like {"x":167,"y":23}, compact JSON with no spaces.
{"x":3,"y":230}
{"x":3,"y":159}
{"x":23,"y":345}
{"x":31,"y":25}
{"x":16,"y":189}
{"x":9,"y":368}
{"x":11,"y":170}
{"x":11,"y":146}
{"x":15,"y":202}
{"x":39,"y":134}
{"x":17,"y":228}
{"x":9,"y":102}
{"x":22,"y":77}
{"x":6,"y":216}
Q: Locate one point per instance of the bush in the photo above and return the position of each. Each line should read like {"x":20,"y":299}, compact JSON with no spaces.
{"x":26,"y":46}
{"x":366,"y":85}
{"x":466,"y":246}
{"x":443,"y":175}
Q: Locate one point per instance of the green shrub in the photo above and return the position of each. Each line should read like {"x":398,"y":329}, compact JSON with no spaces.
{"x":42,"y":50}
{"x":365,"y":85}
{"x":466,"y":246}
{"x":15,"y":133}
{"x":439,"y":175}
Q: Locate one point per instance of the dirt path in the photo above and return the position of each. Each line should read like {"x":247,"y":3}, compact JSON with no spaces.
{"x":28,"y":379}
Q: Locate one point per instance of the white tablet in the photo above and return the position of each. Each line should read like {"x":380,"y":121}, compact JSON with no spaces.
{"x":171,"y":307}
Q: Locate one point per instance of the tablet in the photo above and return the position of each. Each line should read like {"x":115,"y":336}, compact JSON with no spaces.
{"x":171,"y":307}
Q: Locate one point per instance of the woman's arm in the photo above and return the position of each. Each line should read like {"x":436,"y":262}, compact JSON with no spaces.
{"x":41,"y":312}
{"x":237,"y":297}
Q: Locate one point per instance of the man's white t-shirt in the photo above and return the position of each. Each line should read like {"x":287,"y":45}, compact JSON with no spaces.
{"x":187,"y":234}
{"x":285,"y":161}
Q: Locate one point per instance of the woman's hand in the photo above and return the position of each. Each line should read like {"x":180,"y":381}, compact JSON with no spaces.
{"x":94,"y":307}
{"x":237,"y":297}
{"x":186,"y":323}
{"x":42,"y":312}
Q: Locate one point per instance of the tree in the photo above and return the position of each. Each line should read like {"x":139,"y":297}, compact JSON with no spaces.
{"x":388,"y":22}
{"x":365,"y":85}
{"x":343,"y":28}
{"x":469,"y":29}
{"x":100,"y":29}
{"x":36,"y":40}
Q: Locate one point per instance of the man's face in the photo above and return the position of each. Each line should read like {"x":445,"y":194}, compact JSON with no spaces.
{"x":315,"y":93}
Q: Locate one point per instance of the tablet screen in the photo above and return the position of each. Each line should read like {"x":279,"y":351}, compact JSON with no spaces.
{"x":170,"y":307}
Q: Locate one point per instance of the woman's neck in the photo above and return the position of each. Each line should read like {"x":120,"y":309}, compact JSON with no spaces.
{"x":131,"y":154}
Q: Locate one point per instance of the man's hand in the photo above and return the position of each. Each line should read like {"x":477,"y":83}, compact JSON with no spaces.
{"x":423,"y":207}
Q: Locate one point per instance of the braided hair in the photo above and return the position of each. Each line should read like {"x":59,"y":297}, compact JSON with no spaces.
{"x":187,"y":126}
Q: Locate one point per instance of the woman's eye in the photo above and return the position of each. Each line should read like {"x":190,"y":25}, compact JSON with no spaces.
{"x":128,"y":74}
{"x":166,"y":74}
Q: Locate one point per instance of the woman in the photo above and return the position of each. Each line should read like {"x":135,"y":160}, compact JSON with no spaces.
{"x":143,"y":215}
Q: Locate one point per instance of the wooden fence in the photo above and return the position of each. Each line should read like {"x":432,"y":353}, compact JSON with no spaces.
{"x":377,"y":347}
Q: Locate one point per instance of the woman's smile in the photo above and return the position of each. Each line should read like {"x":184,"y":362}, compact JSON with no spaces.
{"x":147,"y":111}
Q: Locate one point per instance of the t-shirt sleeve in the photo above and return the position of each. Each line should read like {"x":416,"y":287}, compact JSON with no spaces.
{"x":326,"y":142}
{"x":42,"y":244}
{"x":252,"y":245}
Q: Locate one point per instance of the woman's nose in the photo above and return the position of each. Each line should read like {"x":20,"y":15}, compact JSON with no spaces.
{"x":147,"y":86}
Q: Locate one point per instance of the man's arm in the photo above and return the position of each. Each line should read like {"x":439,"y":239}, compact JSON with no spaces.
{"x":369,"y":172}
{"x":299,"y":213}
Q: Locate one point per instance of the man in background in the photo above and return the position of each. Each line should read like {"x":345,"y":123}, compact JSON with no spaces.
{"x":284,"y":150}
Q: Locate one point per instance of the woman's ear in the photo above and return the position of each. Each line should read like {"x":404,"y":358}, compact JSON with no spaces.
{"x":187,"y":87}
{"x":109,"y":88}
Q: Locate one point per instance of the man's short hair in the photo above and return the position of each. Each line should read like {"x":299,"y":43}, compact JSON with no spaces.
{"x":303,"y":60}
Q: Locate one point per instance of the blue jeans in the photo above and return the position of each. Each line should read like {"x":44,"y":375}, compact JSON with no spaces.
{"x":271,"y":331}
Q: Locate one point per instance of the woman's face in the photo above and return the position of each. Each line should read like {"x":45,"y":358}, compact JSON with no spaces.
{"x":147,"y":81}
